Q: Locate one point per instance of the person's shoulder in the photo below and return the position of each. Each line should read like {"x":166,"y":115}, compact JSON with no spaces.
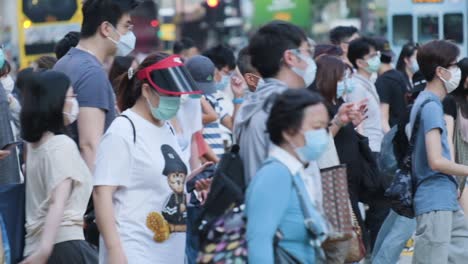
{"x":122,"y":126}
{"x":273,"y":171}
{"x":62,"y":143}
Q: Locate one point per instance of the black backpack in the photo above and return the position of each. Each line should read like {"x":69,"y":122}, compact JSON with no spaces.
{"x":401,"y":191}
{"x":227,"y":189}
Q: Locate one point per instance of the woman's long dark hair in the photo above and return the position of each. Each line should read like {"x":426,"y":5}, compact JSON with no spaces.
{"x":330,"y":69}
{"x":130,"y":89}
{"x":461,"y":93}
{"x":43,"y":100}
{"x":407,"y":51}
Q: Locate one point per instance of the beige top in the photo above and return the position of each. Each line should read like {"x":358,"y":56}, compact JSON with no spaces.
{"x":46,"y":167}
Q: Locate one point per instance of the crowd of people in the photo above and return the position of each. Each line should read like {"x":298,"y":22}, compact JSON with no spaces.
{"x":119,"y":164}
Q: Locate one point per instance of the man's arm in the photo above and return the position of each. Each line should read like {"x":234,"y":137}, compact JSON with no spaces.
{"x":436,"y":160}
{"x":208,"y":113}
{"x":90,"y":129}
{"x":385,"y":116}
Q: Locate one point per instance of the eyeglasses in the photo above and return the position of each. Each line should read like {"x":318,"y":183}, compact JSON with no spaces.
{"x":310,"y":50}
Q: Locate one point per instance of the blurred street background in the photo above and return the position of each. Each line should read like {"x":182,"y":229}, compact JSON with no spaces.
{"x":30,"y":28}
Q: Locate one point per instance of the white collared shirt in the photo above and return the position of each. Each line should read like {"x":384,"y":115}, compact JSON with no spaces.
{"x":310,"y":176}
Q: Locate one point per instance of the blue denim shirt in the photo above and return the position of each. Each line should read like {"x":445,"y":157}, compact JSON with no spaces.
{"x":436,"y":191}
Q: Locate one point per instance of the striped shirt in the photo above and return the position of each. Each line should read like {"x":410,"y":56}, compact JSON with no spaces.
{"x":212,"y":131}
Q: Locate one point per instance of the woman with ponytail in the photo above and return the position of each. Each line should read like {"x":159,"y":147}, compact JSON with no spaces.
{"x":58,"y":182}
{"x":140,"y":175}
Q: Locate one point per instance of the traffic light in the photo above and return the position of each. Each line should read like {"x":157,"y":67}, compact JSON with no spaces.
{"x":154,"y":23}
{"x":212,"y":3}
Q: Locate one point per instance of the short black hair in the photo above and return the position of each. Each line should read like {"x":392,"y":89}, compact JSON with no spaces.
{"x":359,"y":48}
{"x":244,"y":62}
{"x":43,"y":101}
{"x":268,"y":45}
{"x":221,"y":56}
{"x":183,"y":44}
{"x":70,"y":40}
{"x":340,"y":33}
{"x":434,"y":54}
{"x":327,"y":49}
{"x":287,"y":112}
{"x":46,"y":62}
{"x":95,"y":12}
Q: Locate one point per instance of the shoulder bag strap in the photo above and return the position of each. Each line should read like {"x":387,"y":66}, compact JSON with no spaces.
{"x":133,"y":127}
{"x":412,"y":142}
{"x":317,"y":235}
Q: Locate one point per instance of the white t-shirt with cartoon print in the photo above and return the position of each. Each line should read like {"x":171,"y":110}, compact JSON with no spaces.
{"x":150,"y":202}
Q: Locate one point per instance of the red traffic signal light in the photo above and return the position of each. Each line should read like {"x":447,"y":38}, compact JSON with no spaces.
{"x":212,"y":3}
{"x":154,"y":23}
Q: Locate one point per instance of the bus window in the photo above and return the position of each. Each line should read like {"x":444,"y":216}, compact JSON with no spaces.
{"x":428,"y":28}
{"x":453,"y":27}
{"x":402,"y":29}
{"x":49,"y":10}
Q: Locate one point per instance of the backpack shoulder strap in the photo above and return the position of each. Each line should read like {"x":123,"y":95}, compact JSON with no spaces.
{"x":133,"y":127}
{"x":417,"y":122}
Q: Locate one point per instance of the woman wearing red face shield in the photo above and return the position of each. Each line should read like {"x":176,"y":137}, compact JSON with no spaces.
{"x":140,"y":175}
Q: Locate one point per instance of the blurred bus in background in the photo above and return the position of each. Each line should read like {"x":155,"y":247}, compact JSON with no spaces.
{"x":42,"y":23}
{"x":420,"y":21}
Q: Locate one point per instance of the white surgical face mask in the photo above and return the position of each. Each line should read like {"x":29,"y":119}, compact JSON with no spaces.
{"x":75,"y":110}
{"x":8,"y":84}
{"x":126,"y":44}
{"x":454,"y":81}
{"x":308,"y":75}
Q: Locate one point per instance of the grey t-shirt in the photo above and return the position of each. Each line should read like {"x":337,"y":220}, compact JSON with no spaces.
{"x":436,"y":191}
{"x":90,"y":84}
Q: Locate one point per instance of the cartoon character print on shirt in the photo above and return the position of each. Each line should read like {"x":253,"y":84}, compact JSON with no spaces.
{"x":173,"y":217}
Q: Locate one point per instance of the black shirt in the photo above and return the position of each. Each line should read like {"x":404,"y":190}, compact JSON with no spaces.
{"x":392,"y":89}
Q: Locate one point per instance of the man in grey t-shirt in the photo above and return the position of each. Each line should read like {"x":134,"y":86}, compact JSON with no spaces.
{"x":106,"y":31}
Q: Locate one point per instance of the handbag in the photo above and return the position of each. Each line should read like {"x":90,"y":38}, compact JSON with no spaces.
{"x":357,"y":249}
{"x":225,"y":241}
{"x":336,"y":203}
{"x":401,"y":191}
{"x":12,"y":210}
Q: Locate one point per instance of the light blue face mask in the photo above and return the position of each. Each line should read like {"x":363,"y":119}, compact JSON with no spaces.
{"x":221,"y":85}
{"x":2,"y":58}
{"x":346,"y":86}
{"x":195,"y":96}
{"x":373,"y":64}
{"x":414,"y":66}
{"x":167,"y":109}
{"x":316,"y":142}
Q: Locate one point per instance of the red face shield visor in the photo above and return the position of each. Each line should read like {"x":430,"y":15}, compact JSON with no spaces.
{"x":169,"y":76}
